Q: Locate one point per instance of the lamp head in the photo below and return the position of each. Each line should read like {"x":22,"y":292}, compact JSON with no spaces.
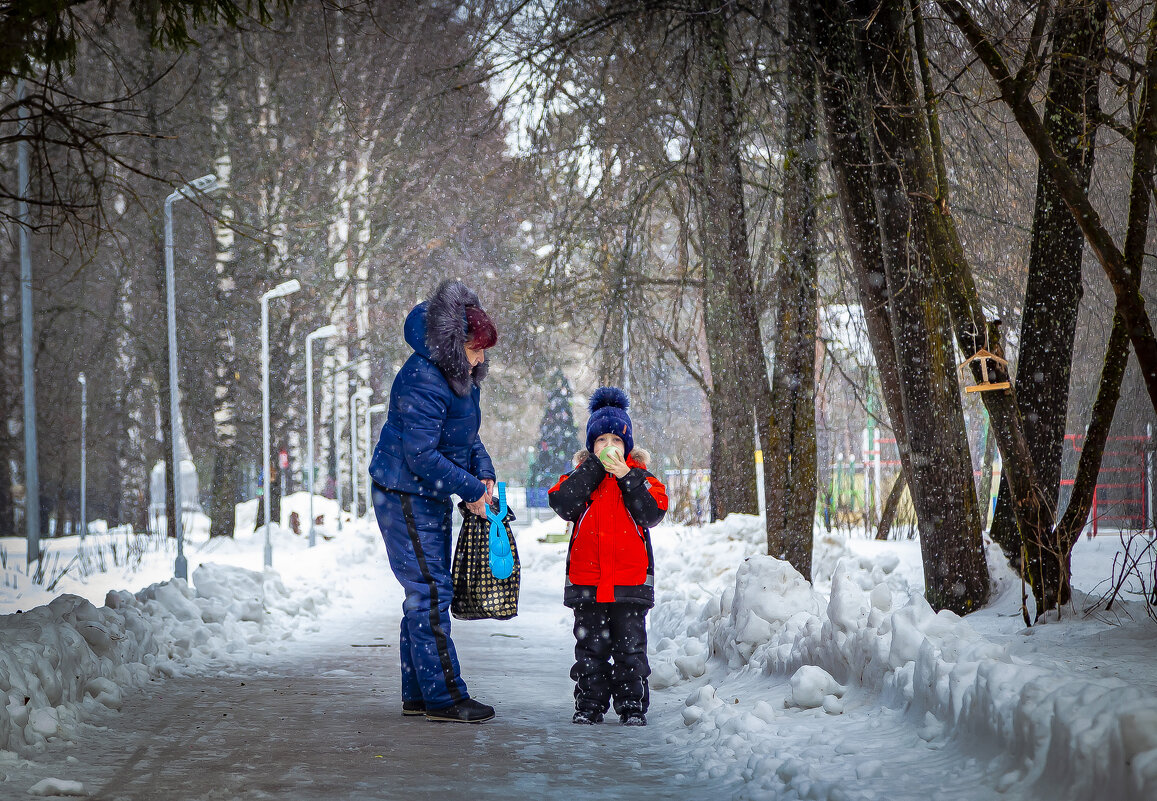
{"x":206,"y":183}
{"x":283,"y":289}
{"x":80,"y":378}
{"x":324,"y":332}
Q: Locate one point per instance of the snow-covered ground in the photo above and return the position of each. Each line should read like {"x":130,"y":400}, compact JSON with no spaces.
{"x":851,"y":689}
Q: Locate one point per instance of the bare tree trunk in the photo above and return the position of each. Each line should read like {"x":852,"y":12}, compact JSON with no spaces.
{"x":1117,"y":351}
{"x":1053,"y":292}
{"x":1046,"y":548}
{"x":790,"y":440}
{"x":841,"y":91}
{"x":956,"y":574}
{"x":891,"y":505}
{"x":740,"y":393}
{"x":223,"y":513}
{"x":955,"y":570}
{"x":7,"y":444}
{"x":984,"y":492}
{"x":1015,"y":94}
{"x":131,"y":396}
{"x":160,"y":363}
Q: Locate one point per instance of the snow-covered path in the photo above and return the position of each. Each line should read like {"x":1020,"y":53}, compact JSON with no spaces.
{"x":285,"y":685}
{"x":320,"y":719}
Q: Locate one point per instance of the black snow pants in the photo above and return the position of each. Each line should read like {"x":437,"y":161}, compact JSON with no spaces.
{"x":606,"y":631}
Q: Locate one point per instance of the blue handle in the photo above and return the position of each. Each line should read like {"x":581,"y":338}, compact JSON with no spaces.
{"x":501,"y":557}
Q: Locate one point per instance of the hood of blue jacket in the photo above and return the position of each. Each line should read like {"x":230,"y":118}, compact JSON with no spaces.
{"x":415,"y":330}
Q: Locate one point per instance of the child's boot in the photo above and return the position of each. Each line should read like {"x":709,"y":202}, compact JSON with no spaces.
{"x":587,"y":717}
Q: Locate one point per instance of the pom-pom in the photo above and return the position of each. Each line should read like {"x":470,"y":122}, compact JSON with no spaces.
{"x":609,"y":396}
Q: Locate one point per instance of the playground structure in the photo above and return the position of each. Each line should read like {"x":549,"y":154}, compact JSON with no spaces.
{"x":1123,"y":499}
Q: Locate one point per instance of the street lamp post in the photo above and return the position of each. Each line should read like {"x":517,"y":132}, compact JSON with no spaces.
{"x":336,"y":453}
{"x":370,"y":412}
{"x":83,"y":455}
{"x":31,"y":459}
{"x":321,"y":333}
{"x":337,"y":436}
{"x":363,"y":395}
{"x":206,"y":183}
{"x":281,"y":290}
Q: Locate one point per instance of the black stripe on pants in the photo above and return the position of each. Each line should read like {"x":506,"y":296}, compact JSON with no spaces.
{"x":435,"y":620}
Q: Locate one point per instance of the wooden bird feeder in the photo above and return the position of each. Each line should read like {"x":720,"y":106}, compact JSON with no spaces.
{"x":985,"y":385}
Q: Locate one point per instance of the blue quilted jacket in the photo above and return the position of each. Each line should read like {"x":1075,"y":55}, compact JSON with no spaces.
{"x":429,"y":445}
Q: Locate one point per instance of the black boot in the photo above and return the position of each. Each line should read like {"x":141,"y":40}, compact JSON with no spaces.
{"x":416,"y":707}
{"x":587,"y":717}
{"x":467,"y":711}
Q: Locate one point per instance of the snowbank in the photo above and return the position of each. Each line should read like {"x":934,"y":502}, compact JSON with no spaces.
{"x":1051,"y":730}
{"x":63,"y":661}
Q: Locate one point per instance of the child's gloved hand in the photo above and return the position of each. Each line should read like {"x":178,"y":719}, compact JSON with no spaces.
{"x":612,"y":459}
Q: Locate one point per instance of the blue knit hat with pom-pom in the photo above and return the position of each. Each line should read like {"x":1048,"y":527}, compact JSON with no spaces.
{"x":608,"y":407}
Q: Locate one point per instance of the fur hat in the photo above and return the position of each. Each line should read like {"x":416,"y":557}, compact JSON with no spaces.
{"x":608,"y":407}
{"x":447,"y":328}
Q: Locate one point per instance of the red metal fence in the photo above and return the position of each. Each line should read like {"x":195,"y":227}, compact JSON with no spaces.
{"x":1122,"y":498}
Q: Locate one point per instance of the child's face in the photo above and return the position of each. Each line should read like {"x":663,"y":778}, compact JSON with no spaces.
{"x":609,"y":439}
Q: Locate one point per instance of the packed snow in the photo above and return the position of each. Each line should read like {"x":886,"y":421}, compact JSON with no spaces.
{"x":848,"y":688}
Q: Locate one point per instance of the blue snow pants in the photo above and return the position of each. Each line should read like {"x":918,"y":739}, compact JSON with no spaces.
{"x":417,"y":531}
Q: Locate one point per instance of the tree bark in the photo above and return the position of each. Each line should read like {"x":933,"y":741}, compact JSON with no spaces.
{"x":790,"y":444}
{"x":841,"y":92}
{"x":1053,"y":292}
{"x":956,"y":574}
{"x":226,"y":476}
{"x":984,"y":491}
{"x":160,"y":364}
{"x":1034,"y":515}
{"x":1044,"y":546}
{"x":1117,"y":351}
{"x":7,"y":444}
{"x":954,"y":564}
{"x":740,"y":393}
{"x":891,"y":506}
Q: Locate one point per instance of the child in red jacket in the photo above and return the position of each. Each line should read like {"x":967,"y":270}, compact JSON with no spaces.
{"x":610,"y":572}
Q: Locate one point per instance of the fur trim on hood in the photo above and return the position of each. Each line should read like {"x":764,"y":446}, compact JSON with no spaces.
{"x":446,"y":335}
{"x":640,"y":455}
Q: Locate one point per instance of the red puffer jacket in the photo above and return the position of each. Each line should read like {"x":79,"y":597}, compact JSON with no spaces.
{"x":610,"y":557}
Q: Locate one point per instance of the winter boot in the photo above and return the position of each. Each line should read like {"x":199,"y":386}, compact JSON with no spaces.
{"x":466,"y":711}
{"x":633,"y":719}
{"x":416,"y":707}
{"x":587,"y":718}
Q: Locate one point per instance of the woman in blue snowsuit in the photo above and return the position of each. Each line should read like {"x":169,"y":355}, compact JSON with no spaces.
{"x":429,"y":450}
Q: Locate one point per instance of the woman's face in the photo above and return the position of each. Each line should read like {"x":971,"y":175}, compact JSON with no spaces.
{"x":608,"y":439}
{"x":475,"y":356}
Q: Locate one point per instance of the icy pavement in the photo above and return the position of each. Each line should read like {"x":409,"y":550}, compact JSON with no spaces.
{"x":320,"y":718}
{"x":284,"y":685}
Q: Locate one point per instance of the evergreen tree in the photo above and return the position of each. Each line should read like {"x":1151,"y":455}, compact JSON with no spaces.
{"x":557,"y":437}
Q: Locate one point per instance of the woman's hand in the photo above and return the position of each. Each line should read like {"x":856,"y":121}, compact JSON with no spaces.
{"x":478,"y":507}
